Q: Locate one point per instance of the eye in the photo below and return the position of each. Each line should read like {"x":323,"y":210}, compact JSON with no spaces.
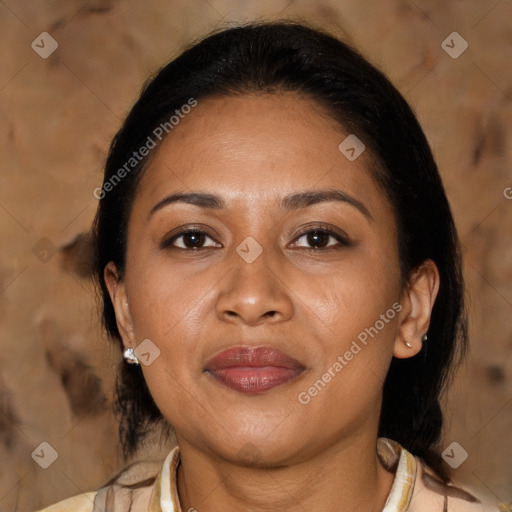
{"x":198,"y":239}
{"x":322,"y":238}
{"x":189,"y":239}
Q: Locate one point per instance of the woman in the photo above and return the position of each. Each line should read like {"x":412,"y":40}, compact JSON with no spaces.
{"x":278,"y":261}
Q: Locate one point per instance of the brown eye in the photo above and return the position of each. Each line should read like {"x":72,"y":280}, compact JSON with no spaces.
{"x":189,"y":240}
{"x":319,"y":238}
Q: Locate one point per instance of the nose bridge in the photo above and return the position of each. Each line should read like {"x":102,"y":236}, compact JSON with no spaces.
{"x":254,"y":288}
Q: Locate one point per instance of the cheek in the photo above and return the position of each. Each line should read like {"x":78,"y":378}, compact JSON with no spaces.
{"x":169,"y":310}
{"x":351,"y":298}
{"x":168,"y":307}
{"x":355,"y":320}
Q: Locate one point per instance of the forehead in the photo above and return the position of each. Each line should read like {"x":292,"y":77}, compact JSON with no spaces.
{"x":255,"y":147}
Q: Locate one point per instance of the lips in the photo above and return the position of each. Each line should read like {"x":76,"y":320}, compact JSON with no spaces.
{"x":253,"y":369}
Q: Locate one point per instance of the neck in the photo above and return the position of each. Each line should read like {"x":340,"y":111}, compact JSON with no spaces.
{"x":345,"y":477}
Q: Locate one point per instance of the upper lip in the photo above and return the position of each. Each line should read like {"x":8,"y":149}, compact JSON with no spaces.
{"x":252,"y":357}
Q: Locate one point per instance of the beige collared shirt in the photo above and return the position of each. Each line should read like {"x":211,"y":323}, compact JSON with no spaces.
{"x":411,"y":491}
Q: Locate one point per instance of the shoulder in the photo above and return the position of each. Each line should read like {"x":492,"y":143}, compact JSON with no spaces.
{"x":79,"y":503}
{"x":132,"y":486}
{"x":430,"y":494}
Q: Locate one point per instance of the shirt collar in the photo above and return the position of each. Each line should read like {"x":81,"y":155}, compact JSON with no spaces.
{"x":392,"y":454}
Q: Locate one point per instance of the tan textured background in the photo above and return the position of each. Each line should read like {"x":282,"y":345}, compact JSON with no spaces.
{"x":57,"y":116}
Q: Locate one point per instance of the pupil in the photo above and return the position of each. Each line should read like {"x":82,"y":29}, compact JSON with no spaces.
{"x":194,"y":237}
{"x":316,"y":236}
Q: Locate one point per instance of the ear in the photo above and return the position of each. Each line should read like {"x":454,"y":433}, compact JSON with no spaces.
{"x":117,"y":291}
{"x":417,"y":303}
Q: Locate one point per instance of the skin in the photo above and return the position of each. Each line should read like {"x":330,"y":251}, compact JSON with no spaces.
{"x":303,"y":298}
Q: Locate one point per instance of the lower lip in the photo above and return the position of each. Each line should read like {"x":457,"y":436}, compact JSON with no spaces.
{"x":254,"y":380}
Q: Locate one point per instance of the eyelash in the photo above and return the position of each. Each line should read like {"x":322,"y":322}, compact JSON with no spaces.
{"x":342,"y":240}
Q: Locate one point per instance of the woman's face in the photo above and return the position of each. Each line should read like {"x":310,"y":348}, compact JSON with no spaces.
{"x":323,"y":306}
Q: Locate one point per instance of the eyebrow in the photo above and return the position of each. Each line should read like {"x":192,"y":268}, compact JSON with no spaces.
{"x":291,"y":202}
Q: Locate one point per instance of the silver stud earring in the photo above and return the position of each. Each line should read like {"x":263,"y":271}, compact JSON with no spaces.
{"x":130,"y":357}
{"x":425,"y":338}
{"x":408,"y":344}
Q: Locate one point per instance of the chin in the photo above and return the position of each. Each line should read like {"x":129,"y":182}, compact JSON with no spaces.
{"x":260,"y":451}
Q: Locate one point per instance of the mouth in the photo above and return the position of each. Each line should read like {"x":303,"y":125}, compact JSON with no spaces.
{"x":253,"y":369}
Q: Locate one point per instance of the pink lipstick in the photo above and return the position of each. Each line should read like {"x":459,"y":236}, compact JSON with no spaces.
{"x":253,"y":369}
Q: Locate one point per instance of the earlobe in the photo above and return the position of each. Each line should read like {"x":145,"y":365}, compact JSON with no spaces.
{"x":417,"y":301}
{"x":117,"y":291}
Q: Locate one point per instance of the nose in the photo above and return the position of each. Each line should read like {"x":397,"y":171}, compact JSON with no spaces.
{"x":254,"y":293}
